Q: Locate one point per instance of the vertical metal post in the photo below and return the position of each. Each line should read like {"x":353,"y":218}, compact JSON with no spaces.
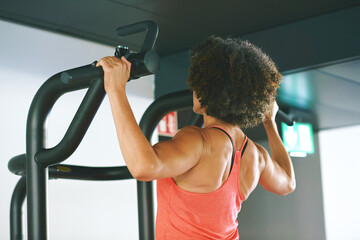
{"x":36,"y":176}
{"x":146,"y":210}
{"x":17,"y":200}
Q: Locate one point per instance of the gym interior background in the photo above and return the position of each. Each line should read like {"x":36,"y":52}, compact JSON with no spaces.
{"x":315,"y":44}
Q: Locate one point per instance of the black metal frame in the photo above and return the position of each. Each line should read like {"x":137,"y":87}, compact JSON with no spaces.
{"x":38,"y":162}
{"x":37,"y":157}
{"x":36,"y":194}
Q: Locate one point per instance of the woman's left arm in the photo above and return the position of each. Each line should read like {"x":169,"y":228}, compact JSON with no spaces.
{"x":146,"y":162}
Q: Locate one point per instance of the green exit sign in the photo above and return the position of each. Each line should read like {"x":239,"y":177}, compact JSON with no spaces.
{"x":298,"y":138}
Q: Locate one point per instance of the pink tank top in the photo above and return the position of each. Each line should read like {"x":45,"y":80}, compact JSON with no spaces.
{"x":187,"y":215}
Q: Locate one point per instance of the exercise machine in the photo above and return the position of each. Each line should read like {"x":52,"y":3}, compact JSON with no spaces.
{"x":40,"y":164}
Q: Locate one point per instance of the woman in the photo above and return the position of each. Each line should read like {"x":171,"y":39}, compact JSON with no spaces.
{"x":204,"y":174}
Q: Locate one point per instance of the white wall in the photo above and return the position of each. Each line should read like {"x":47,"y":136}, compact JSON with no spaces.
{"x":77,"y":209}
{"x":340,"y":170}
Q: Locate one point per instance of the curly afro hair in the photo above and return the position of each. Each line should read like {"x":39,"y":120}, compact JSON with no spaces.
{"x":234,"y":80}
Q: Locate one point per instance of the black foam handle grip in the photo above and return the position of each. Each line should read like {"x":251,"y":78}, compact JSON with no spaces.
{"x":149,"y":26}
{"x":143,"y":63}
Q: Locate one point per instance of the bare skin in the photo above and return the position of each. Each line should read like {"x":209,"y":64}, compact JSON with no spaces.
{"x":198,"y":159}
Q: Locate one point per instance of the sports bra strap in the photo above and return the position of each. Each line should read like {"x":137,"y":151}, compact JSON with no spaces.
{"x":232,"y":143}
{"x":243,"y":147}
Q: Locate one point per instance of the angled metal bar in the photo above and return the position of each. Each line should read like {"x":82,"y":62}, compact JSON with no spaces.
{"x":77,"y":128}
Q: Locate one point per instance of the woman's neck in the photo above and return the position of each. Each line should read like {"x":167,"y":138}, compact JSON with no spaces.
{"x":211,"y":121}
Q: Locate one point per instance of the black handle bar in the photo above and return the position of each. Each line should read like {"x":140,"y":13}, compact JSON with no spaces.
{"x":147,"y":61}
{"x":149,"y":26}
{"x":283,"y":117}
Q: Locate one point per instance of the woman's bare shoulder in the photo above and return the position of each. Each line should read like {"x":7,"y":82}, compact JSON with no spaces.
{"x":189,"y":131}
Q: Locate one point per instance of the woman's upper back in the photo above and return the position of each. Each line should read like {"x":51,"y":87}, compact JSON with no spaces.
{"x":203,"y":203}
{"x":213,"y":168}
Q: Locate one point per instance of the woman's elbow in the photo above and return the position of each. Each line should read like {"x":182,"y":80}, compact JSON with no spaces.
{"x":292,"y":186}
{"x":289,"y":189}
{"x":143,"y":173}
{"x":143,"y":177}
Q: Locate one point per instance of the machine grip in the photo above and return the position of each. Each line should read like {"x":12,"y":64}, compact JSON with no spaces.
{"x":283,"y":117}
{"x":149,"y":26}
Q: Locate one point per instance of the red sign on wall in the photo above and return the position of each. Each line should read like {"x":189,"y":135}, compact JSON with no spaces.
{"x":168,"y":126}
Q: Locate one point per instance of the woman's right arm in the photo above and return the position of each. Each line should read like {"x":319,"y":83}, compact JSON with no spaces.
{"x":277,"y":175}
